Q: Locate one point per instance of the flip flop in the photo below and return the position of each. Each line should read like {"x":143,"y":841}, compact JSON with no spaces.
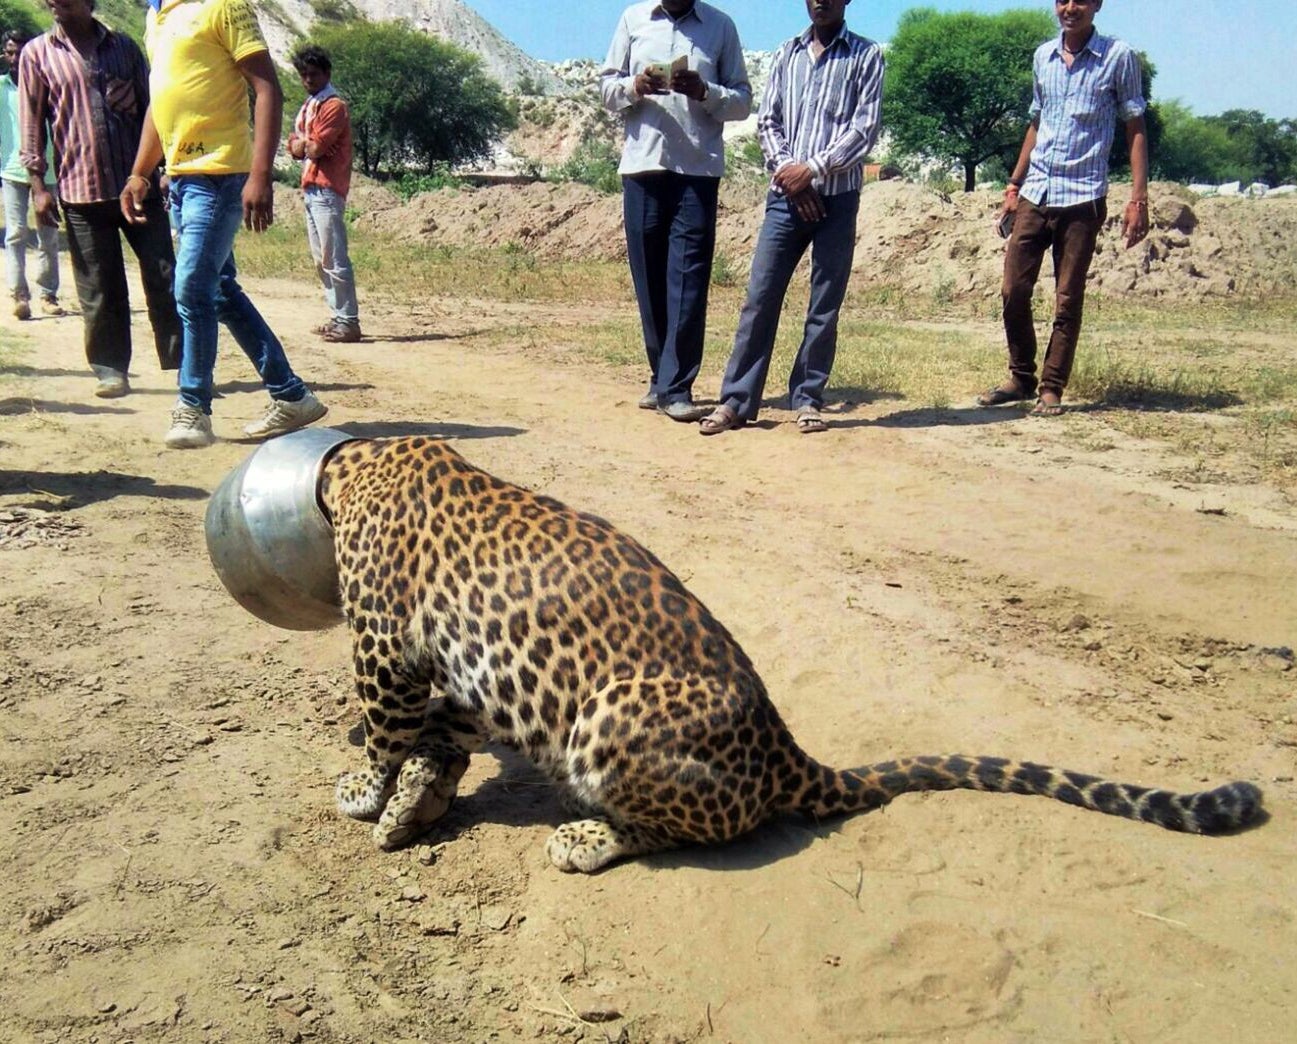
{"x":1000,"y":396}
{"x":1047,"y":409}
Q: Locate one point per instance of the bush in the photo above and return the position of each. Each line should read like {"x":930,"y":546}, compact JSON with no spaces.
{"x":594,"y":163}
{"x":409,"y":184}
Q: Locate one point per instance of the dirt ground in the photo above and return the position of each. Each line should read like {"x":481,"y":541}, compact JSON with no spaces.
{"x":908,"y":583}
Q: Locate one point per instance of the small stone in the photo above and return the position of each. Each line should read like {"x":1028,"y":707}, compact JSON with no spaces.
{"x":280,"y":993}
{"x":1093,"y":646}
{"x":413,"y":894}
{"x":1165,"y":715}
{"x":425,"y":855}
{"x":108,"y":1007}
{"x":1076,"y":623}
{"x":496,"y":918}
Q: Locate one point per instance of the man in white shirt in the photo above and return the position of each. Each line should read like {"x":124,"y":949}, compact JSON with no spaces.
{"x":675,"y":74}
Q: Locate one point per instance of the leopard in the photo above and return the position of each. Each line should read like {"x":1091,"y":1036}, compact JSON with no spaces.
{"x":481,"y":612}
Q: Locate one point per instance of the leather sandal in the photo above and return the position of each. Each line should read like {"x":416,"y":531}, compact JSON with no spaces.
{"x":723,"y":418}
{"x":809,"y":420}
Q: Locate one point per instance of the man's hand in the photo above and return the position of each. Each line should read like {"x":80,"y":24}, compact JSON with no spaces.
{"x":809,"y":206}
{"x":647,"y":83}
{"x":689,"y":83}
{"x":46,"y":206}
{"x":793,"y":179}
{"x":1010,"y":204}
{"x":1134,"y":222}
{"x":296,"y":147}
{"x":258,"y":203}
{"x":132,"y":199}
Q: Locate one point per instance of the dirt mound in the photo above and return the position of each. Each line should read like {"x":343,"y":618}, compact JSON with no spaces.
{"x":909,"y":236}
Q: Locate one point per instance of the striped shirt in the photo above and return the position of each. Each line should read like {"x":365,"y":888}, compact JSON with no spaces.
{"x":1078,"y":109}
{"x":823,"y":113}
{"x":670,"y":131}
{"x":95,"y":110}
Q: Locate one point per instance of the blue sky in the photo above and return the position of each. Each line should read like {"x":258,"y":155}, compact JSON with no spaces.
{"x":1211,"y":54}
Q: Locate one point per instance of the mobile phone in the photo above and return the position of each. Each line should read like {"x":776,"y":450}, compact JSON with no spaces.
{"x":1004,"y":224}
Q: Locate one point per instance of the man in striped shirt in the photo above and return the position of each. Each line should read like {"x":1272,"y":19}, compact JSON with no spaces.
{"x":1084,"y":83}
{"x":818,"y":120}
{"x":90,"y":85}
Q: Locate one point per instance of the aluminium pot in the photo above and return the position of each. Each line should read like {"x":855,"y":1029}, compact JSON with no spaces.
{"x":268,"y":535}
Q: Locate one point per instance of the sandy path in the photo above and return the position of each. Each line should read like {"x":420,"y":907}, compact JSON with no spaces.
{"x":909,"y":583}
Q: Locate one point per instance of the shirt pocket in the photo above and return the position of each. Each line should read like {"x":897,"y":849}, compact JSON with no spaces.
{"x":120,"y":96}
{"x":1092,"y":100}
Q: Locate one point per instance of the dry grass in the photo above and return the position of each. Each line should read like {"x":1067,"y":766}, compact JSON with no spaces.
{"x":1215,"y":380}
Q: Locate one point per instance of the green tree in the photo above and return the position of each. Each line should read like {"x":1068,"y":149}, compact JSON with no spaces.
{"x":958,"y":85}
{"x":414,"y":100}
{"x":21,"y":14}
{"x":1263,"y":149}
{"x":1193,"y":149}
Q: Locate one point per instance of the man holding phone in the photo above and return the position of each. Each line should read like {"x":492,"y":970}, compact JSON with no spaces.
{"x":675,"y":74}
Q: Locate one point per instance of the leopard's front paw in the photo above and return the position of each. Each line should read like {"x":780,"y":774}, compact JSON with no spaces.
{"x":404,"y":820}
{"x":360,"y":795}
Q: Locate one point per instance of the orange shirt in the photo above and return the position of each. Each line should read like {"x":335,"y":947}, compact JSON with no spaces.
{"x":330,"y":128}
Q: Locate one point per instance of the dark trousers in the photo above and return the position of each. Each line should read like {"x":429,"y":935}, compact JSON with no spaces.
{"x":1071,"y":233}
{"x":784,"y":239}
{"x":95,"y":247}
{"x":670,"y":236}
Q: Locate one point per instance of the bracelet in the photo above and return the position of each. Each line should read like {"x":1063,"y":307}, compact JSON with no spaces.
{"x":1016,"y":182}
{"x":139,"y":177}
{"x":1139,"y":203}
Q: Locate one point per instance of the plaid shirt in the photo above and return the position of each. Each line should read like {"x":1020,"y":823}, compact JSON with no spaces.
{"x":94,"y":108}
{"x":823,"y":113}
{"x":1078,"y":110}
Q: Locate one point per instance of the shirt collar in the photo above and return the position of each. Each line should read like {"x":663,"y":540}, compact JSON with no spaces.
{"x":805,"y":39}
{"x":659,"y":11}
{"x":101,"y":33}
{"x":1097,"y":45}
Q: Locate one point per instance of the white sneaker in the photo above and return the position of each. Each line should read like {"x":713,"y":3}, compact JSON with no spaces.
{"x":283,"y":417}
{"x":191,"y":428}
{"x":112,"y":383}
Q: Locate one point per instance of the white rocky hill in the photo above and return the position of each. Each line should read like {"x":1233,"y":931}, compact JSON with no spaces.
{"x":286,"y":22}
{"x":550,"y":127}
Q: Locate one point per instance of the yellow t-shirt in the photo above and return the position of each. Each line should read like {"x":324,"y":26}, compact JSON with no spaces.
{"x":199,"y":97}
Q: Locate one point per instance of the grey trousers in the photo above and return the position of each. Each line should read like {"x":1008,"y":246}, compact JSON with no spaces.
{"x":784,"y":238}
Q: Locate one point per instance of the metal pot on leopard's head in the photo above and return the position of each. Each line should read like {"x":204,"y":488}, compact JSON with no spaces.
{"x":268,"y":535}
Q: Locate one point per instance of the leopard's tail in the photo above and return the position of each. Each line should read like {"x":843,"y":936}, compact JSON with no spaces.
{"x":829,"y":792}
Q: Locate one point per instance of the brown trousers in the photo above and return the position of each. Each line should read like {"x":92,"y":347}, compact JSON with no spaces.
{"x":1071,"y":232}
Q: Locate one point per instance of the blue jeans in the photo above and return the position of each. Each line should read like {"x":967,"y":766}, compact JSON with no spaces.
{"x":206,"y":211}
{"x":670,"y":236}
{"x":326,"y":235}
{"x":18,"y":236}
{"x":784,"y":239}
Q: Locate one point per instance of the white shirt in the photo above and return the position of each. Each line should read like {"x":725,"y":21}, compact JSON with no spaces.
{"x":670,"y":131}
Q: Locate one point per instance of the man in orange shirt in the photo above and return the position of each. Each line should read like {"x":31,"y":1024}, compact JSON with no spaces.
{"x":321,"y":138}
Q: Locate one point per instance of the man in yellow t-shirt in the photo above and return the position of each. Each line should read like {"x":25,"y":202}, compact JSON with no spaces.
{"x":205,"y":54}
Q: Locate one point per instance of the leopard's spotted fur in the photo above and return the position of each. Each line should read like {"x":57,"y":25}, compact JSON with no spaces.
{"x":550,"y":630}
